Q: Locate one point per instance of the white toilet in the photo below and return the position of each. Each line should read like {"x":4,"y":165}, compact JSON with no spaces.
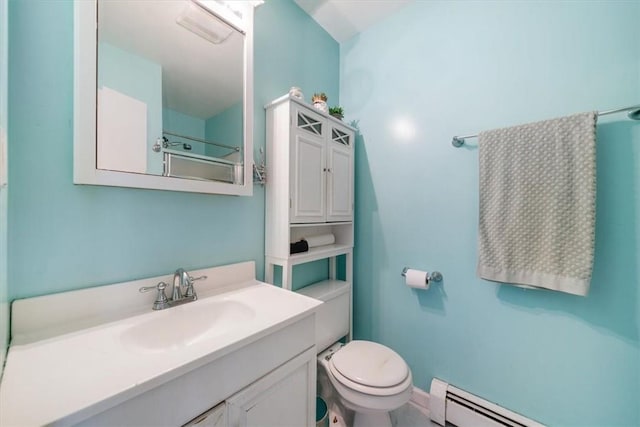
{"x":368,"y":378}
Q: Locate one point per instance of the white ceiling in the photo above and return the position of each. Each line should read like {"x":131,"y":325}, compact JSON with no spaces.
{"x":199,"y":78}
{"x":344,"y":19}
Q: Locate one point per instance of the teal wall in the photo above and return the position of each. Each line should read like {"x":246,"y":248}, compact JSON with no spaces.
{"x":291,"y":50}
{"x":224,"y":128}
{"x":438,"y":69}
{"x":184,"y":124}
{"x":64,"y":236}
{"x":138,"y":78}
{"x":4,"y":306}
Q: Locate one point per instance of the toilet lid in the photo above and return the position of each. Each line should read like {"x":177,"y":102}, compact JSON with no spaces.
{"x":371,"y":364}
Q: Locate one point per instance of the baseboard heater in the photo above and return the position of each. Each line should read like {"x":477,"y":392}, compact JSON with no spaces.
{"x":451,"y":406}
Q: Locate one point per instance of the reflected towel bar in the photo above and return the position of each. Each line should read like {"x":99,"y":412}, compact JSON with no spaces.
{"x":634,"y":114}
{"x":204,"y":141}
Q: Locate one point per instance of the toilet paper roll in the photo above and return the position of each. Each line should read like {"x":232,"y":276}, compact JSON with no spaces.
{"x":321,"y":240}
{"x":417,"y":279}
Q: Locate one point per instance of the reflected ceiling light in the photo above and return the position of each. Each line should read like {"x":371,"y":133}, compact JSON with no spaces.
{"x":204,"y":23}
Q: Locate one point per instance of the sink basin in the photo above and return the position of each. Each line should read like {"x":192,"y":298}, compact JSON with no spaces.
{"x":185,"y":325}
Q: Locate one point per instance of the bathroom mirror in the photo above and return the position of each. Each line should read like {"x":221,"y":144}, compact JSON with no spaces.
{"x":163,"y":95}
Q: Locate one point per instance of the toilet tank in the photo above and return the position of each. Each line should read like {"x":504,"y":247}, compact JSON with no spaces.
{"x":332,"y":317}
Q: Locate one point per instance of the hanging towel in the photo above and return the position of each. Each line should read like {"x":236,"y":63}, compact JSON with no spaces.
{"x":537,"y":204}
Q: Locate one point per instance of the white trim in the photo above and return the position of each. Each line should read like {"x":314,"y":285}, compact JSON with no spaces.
{"x":420,"y":402}
{"x":420,"y":399}
{"x":84,"y":147}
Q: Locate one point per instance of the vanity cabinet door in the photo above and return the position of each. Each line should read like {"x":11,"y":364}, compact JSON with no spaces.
{"x":285,"y":397}
{"x":214,"y":417}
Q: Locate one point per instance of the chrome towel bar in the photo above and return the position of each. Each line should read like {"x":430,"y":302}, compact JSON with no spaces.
{"x":634,"y":114}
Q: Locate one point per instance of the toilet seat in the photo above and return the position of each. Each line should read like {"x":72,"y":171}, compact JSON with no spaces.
{"x":370,"y":368}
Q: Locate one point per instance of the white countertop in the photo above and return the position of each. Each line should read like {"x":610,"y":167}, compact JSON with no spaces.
{"x":84,"y":372}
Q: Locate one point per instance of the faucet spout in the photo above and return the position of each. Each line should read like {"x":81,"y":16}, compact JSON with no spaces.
{"x":180,"y":280}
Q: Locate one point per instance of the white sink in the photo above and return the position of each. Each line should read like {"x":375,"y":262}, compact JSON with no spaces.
{"x":177,"y":327}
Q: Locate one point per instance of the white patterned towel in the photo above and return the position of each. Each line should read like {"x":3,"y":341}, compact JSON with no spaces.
{"x":537,"y":204}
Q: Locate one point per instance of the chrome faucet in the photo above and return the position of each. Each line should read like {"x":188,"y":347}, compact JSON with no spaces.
{"x":181,"y":279}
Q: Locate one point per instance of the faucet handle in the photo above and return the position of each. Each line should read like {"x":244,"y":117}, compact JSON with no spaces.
{"x":161,"y":301}
{"x":191,"y":292}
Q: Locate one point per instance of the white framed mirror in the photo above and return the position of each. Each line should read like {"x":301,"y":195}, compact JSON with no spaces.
{"x":163,"y":95}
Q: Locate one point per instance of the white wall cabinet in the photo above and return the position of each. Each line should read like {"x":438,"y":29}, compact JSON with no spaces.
{"x":309,"y":191}
{"x":321,"y":167}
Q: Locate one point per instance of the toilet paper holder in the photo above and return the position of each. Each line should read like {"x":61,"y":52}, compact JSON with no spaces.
{"x":435,"y":276}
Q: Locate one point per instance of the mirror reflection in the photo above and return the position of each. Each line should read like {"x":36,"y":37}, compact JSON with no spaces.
{"x":169,"y":90}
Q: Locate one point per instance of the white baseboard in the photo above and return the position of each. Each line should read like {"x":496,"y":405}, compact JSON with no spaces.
{"x":420,"y":400}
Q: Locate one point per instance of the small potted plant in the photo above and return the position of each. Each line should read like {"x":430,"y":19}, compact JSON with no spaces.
{"x":319,"y":100}
{"x":337,"y":112}
{"x":318,"y":97}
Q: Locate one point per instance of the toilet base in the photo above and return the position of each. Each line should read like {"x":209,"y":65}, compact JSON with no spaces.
{"x":371,"y":419}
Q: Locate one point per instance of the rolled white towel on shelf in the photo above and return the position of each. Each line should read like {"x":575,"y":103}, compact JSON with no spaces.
{"x":321,"y":240}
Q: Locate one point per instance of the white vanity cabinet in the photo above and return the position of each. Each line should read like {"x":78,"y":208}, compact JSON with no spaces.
{"x":271,"y":382}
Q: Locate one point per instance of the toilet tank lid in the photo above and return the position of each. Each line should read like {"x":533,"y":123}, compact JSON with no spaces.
{"x":326,"y":290}
{"x":370,"y":364}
